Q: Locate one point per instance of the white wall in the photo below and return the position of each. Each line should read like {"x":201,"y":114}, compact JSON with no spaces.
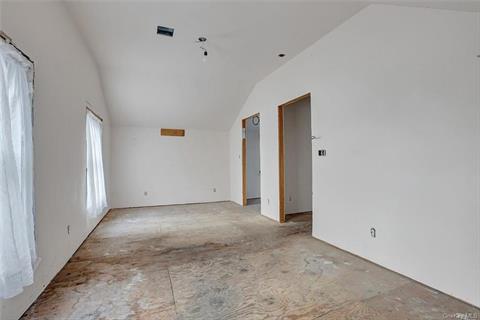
{"x":297,"y":137}
{"x":65,"y":77}
{"x":395,"y":100}
{"x":171,"y":170}
{"x":253,"y":159}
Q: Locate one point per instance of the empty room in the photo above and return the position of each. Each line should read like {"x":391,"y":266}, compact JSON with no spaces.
{"x":239,"y":160}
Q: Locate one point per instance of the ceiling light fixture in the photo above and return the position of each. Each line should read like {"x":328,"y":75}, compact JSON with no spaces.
{"x":205,"y":54}
{"x":202,"y":41}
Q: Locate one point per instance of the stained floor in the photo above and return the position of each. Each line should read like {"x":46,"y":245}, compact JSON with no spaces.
{"x":221,"y":261}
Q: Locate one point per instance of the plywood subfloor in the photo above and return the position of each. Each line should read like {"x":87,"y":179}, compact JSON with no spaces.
{"x":222,"y":261}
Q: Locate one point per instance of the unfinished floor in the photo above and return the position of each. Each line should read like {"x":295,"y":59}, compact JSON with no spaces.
{"x":221,"y":261}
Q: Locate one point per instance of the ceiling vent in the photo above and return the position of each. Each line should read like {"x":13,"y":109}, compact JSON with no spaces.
{"x":165,"y":31}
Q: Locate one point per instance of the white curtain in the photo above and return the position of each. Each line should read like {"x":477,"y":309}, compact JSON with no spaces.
{"x":96,"y":195}
{"x":17,"y":238}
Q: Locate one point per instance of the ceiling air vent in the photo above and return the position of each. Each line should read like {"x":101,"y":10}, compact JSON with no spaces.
{"x":165,"y":31}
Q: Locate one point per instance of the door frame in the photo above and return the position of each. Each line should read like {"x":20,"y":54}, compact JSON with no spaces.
{"x":281,"y":156}
{"x":244,"y":157}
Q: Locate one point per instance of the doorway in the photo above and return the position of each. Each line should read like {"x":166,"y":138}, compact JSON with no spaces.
{"x":251,"y":174}
{"x":295,"y":157}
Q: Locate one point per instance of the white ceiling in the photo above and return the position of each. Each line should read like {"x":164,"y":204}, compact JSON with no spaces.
{"x":156,"y":81}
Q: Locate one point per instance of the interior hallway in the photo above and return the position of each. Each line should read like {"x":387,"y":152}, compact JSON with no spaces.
{"x":221,"y":261}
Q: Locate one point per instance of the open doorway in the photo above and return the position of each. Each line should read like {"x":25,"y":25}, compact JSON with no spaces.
{"x":295,"y":158}
{"x":251,"y":161}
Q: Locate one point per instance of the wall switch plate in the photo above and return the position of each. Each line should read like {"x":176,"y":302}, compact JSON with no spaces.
{"x":145,"y":193}
{"x":68,"y":229}
{"x":214,"y":189}
{"x":322,"y":153}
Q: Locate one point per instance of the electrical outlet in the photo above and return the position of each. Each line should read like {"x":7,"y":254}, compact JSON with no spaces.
{"x":145,"y":193}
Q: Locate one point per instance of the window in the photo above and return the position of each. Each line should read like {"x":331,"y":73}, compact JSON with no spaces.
{"x":96,"y":195}
{"x":17,"y":238}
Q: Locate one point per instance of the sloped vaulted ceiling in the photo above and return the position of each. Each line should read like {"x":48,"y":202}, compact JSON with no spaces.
{"x":156,"y":81}
{"x":153,"y":80}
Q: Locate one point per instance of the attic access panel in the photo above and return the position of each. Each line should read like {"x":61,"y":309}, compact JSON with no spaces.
{"x":172,"y":132}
